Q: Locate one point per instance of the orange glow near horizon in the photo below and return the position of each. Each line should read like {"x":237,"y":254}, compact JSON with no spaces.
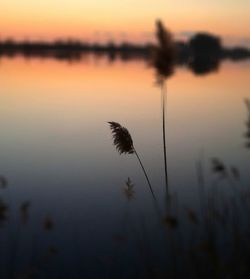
{"x":29,"y":73}
{"x":119,"y":21}
{"x":49,"y":91}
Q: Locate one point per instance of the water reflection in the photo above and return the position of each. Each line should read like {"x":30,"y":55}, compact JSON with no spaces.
{"x":203,"y":66}
{"x":199,"y":66}
{"x":62,"y":189}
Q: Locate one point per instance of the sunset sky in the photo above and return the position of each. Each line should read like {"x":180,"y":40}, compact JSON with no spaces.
{"x":105,"y":20}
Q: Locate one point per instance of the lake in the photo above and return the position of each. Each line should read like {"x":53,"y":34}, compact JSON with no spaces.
{"x":57,"y":153}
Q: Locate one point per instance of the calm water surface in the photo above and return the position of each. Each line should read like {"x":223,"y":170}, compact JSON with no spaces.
{"x":56,"y":149}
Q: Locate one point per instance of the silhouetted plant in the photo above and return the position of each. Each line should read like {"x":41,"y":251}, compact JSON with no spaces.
{"x":129,"y":189}
{"x":164,"y":59}
{"x":247,"y":134}
{"x":124,"y":144}
{"x":3,"y":212}
{"x":218,"y":167}
{"x":122,"y":138}
{"x":3,"y":182}
{"x":48,"y":224}
{"x":235,"y":172}
{"x":192,"y":216}
{"x":24,"y":211}
{"x":165,"y":53}
{"x":170,"y":221}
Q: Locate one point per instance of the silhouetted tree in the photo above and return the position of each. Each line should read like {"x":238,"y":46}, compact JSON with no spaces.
{"x":206,"y":51}
{"x":204,"y":44}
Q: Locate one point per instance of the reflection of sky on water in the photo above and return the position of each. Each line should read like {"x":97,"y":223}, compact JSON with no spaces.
{"x":56,"y":146}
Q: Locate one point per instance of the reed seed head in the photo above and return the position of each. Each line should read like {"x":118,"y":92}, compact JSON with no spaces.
{"x":122,"y":138}
{"x":218,"y":167}
{"x":129,"y":189}
{"x":164,"y":53}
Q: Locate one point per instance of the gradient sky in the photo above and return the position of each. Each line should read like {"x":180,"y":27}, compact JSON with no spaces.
{"x":103,"y":20}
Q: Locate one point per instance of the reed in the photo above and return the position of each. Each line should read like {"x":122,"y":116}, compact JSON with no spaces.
{"x":164,"y":57}
{"x":247,"y":133}
{"x":124,"y":144}
{"x":165,"y":53}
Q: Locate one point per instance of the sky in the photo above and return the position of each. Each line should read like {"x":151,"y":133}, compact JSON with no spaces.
{"x":125,"y":20}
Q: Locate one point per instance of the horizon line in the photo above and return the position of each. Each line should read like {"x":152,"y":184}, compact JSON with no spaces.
{"x":181,"y":37}
{"x":113,"y":43}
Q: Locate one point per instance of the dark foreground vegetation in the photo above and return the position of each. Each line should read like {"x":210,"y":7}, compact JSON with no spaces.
{"x":208,"y":240}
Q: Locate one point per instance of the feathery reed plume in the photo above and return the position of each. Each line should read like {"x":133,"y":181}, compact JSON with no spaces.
{"x":164,"y":55}
{"x":124,"y":144}
{"x":129,"y":189}
{"x":122,"y":138}
{"x":218,"y":167}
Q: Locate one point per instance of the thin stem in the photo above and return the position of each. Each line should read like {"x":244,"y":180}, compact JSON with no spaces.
{"x":145,"y":173}
{"x":201,"y":182}
{"x":163,"y":91}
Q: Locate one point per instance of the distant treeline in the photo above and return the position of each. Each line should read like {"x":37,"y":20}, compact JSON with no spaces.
{"x":202,"y":52}
{"x":202,"y":44}
{"x":73,"y":50}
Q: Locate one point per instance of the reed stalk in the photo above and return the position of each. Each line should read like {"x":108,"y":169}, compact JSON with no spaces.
{"x":124,"y":144}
